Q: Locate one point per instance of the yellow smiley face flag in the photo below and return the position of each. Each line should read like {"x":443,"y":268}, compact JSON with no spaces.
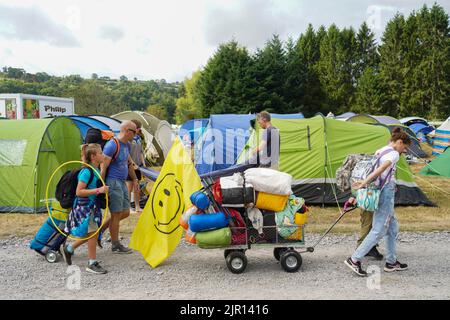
{"x":158,"y":230}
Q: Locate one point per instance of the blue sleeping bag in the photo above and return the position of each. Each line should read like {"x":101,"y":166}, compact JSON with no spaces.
{"x":48,"y":237}
{"x":209,"y":221}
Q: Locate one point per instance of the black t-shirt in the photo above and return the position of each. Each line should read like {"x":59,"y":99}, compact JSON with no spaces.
{"x":270,"y":156}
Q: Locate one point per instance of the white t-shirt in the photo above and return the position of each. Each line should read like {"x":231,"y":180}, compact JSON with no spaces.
{"x":393,"y":157}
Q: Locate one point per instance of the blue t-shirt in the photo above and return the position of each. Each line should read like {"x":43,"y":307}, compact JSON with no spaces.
{"x":118,"y":168}
{"x":85,"y":175}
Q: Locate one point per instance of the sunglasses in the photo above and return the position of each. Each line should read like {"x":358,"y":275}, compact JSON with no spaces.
{"x":132,"y":130}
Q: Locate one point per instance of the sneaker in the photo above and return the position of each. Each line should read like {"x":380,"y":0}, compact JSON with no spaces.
{"x":121,"y":249}
{"x":356,"y":267}
{"x":374,"y":253}
{"x":96,"y":268}
{"x":397,"y":266}
{"x":67,"y":255}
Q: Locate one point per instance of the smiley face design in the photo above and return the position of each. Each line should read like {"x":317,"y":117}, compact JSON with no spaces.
{"x":167,"y":204}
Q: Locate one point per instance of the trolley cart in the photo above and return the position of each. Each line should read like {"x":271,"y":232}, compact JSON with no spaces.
{"x":48,"y":240}
{"x":287,"y":251}
{"x":284,"y":250}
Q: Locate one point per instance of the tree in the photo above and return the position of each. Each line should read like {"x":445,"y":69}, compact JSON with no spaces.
{"x":427,"y":86}
{"x":42,"y":77}
{"x":157,"y":111}
{"x":92,"y":97}
{"x":369,"y":96}
{"x":188,"y":105}
{"x":392,"y":63}
{"x":335,"y":68}
{"x":15,"y":73}
{"x":225,"y":84}
{"x":303,"y":91}
{"x":269,"y":72}
{"x":367,"y":53}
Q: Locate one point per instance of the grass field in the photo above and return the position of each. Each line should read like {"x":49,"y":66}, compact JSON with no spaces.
{"x":410,"y":218}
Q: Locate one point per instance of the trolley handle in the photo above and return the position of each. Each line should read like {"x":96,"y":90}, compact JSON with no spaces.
{"x":347,"y":208}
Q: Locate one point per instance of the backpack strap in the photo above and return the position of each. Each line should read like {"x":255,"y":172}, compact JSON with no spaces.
{"x":116,"y":153}
{"x":385,"y":152}
{"x":91,"y":176}
{"x":388,"y":177}
{"x":379,"y":156}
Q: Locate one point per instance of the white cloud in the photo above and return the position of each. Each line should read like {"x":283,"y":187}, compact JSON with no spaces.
{"x":111,"y":33}
{"x":157,"y":39}
{"x":32,"y":24}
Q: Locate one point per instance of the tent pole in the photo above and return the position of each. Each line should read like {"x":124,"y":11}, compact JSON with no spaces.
{"x":326,"y":160}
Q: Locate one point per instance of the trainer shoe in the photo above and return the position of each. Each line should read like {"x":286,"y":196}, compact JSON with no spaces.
{"x":374,"y":253}
{"x":355,"y":267}
{"x":67,"y":255}
{"x":397,"y":266}
{"x":119,"y":248}
{"x":96,"y":268}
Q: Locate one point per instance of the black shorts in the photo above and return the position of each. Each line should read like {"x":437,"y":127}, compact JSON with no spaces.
{"x":138,"y":175}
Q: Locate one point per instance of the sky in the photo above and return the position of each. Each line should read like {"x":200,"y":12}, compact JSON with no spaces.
{"x":165,"y":39}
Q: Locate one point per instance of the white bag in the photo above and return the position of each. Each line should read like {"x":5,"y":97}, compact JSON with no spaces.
{"x":269,"y":181}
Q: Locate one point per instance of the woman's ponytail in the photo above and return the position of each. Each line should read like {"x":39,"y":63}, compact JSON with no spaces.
{"x":399,"y":134}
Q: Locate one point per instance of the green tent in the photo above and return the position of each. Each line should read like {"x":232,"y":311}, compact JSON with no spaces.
{"x":439,"y":166}
{"x":313,"y":149}
{"x":30,"y":151}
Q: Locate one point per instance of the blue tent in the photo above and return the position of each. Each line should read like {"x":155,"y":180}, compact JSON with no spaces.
{"x":421,"y":130}
{"x":85,"y":123}
{"x":224,"y":139}
{"x":192,"y":129}
{"x":114,"y":124}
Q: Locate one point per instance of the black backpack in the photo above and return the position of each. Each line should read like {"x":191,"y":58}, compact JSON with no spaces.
{"x":66,"y":188}
{"x":101,"y":137}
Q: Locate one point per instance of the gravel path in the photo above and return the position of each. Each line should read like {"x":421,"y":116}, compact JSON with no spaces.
{"x":192,"y":273}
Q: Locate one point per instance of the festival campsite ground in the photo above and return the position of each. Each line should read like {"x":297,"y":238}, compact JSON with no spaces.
{"x":193,"y":273}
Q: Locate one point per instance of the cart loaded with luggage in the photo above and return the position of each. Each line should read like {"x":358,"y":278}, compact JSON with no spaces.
{"x":239,"y":209}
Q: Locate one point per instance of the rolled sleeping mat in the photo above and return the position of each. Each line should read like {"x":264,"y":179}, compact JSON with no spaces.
{"x":214,"y":239}
{"x":200,"y":200}
{"x":209,"y":221}
{"x":190,"y":237}
{"x":184,"y":219}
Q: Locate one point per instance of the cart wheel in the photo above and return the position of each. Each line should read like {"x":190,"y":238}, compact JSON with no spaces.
{"x":277,"y":252}
{"x":236,"y":261}
{"x":227,"y":252}
{"x":51,"y":256}
{"x":291,"y":261}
